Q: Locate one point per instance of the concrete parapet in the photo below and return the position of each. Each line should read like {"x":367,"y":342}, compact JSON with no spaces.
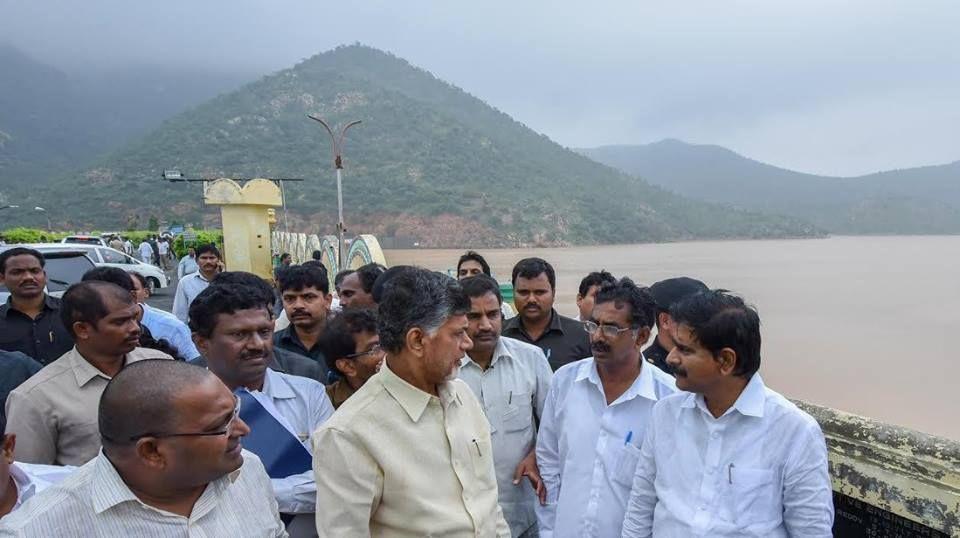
{"x":903,"y":472}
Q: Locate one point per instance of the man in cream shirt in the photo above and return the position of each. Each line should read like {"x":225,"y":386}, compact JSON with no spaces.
{"x":409,"y":454}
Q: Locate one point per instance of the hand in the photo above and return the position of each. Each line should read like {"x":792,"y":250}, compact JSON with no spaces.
{"x":528,"y":468}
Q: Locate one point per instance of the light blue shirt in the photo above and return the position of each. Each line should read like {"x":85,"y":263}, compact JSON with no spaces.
{"x":587,"y":450}
{"x":166,"y":326}
{"x":187,"y":290}
{"x":301,"y":405}
{"x":187,"y":266}
{"x":512,"y":391}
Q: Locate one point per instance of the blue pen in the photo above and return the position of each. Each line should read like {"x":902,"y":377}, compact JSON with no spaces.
{"x":629,"y":436}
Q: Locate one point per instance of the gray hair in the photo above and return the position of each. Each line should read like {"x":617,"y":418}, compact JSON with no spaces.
{"x":417,"y":298}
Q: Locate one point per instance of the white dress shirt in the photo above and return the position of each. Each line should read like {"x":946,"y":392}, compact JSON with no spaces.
{"x":301,"y":405}
{"x":587,"y":450}
{"x":512,"y":391}
{"x":94,"y":501}
{"x":32,"y":478}
{"x":758,"y":470}
{"x":187,"y":290}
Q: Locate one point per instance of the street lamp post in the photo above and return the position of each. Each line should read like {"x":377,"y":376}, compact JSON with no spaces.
{"x":44,"y":211}
{"x":338,"y":164}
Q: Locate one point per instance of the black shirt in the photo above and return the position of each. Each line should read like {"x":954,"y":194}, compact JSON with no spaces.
{"x":563,"y":342}
{"x":44,"y":339}
{"x":289,"y":340}
{"x":657,"y":355}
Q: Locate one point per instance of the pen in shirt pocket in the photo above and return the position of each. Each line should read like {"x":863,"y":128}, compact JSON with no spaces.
{"x":629,"y":437}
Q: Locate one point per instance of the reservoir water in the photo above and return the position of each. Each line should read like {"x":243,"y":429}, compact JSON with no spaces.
{"x":868,"y":325}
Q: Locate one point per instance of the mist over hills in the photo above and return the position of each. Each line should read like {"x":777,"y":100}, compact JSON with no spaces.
{"x":907,"y":201}
{"x":429,"y":162}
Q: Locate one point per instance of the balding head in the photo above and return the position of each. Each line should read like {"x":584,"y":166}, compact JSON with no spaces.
{"x":141,"y":399}
{"x":88,"y":302}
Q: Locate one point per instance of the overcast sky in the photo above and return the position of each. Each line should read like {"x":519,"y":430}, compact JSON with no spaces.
{"x":832,"y":87}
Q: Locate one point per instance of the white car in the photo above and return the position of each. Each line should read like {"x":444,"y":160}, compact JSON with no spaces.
{"x":106,"y":256}
{"x":64,"y":266}
{"x":84,"y":240}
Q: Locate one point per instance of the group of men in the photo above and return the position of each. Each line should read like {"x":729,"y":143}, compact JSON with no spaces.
{"x":413,"y":408}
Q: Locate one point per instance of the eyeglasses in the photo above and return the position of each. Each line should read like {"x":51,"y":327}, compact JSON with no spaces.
{"x":221,"y":431}
{"x":610,"y":331}
{"x":374,"y":350}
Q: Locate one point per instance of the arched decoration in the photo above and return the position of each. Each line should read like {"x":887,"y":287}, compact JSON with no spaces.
{"x":365,"y":249}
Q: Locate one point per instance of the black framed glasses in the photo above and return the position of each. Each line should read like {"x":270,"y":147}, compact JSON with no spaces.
{"x":610,"y":331}
{"x":372,"y":351}
{"x":220,"y":431}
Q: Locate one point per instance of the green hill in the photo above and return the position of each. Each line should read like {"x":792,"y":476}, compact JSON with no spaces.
{"x":430,"y":162}
{"x":921,"y":200}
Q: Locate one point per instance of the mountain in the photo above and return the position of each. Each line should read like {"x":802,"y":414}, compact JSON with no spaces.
{"x":52,"y":123}
{"x":429,"y":162}
{"x":908,"y":201}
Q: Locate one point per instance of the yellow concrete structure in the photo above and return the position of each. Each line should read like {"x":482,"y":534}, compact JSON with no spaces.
{"x":246,"y":213}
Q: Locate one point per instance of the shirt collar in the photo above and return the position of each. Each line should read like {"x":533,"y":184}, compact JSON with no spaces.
{"x":107,"y":488}
{"x":49,"y":303}
{"x":499,"y":352}
{"x":413,"y":400}
{"x":642,"y":386}
{"x":751,"y":401}
{"x":516,"y":324}
{"x":276,"y":387}
{"x":82,"y":369}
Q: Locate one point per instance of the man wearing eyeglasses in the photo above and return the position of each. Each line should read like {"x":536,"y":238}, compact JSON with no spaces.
{"x":352,"y":346}
{"x":233,"y":330}
{"x":595,"y":417}
{"x":510,"y":378}
{"x":172,"y":464}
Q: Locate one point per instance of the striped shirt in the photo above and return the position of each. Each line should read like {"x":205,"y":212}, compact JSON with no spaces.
{"x":94,"y":501}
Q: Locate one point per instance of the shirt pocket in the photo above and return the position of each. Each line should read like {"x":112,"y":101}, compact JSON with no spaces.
{"x":753,"y":496}
{"x":626,"y":464}
{"x":518,"y":416}
{"x":481,"y":456}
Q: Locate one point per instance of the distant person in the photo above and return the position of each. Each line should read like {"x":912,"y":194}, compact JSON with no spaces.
{"x":159,"y":330}
{"x":51,"y":412}
{"x":30,"y":319}
{"x":595,"y":416}
{"x":141,"y":289}
{"x":155,"y":248}
{"x":409,"y":454}
{"x":128,"y":246}
{"x":534,"y":287}
{"x":281,"y":410}
{"x":21,"y":481}
{"x":473,"y":264}
{"x":146,"y":252}
{"x":188,"y":264}
{"x":172,"y":465}
{"x":667,"y":293}
{"x":305,"y":293}
{"x":729,"y":456}
{"x":116,"y":243}
{"x":510,"y":378}
{"x":208,"y":261}
{"x":15,"y":368}
{"x":283,"y":361}
{"x":163,"y":251}
{"x":285,"y":261}
{"x":588,"y":292}
{"x":352,"y":348}
{"x":356,"y":288}
{"x":316,"y":256}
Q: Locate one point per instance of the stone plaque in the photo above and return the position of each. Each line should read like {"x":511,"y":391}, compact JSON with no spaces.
{"x":857,"y":519}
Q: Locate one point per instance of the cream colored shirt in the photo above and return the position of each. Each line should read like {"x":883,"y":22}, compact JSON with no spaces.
{"x":396,"y":461}
{"x":95,"y":502}
{"x":54,"y":413}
